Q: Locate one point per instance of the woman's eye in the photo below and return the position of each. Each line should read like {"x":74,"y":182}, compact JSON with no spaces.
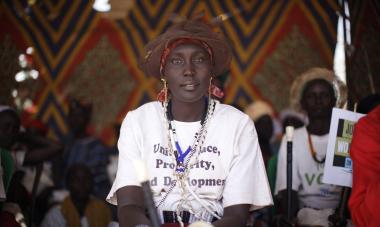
{"x":198,"y":60}
{"x":176,"y":61}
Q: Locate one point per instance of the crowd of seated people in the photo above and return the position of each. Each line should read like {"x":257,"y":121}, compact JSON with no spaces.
{"x":46,"y":182}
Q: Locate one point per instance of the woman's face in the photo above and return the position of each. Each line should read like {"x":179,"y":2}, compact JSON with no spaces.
{"x":187,"y":71}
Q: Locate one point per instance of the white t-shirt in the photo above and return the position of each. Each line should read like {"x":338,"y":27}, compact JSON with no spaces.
{"x":307,"y":173}
{"x":230,"y":167}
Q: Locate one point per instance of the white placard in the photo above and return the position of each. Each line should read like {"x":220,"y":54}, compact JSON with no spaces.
{"x":338,"y":165}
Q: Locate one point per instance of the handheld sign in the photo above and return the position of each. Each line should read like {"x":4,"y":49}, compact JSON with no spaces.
{"x":338,"y":165}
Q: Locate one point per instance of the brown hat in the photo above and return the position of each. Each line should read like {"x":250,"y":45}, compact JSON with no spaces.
{"x":191,"y":29}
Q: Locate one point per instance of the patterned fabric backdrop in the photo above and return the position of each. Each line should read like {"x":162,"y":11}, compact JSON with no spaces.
{"x":363,"y":78}
{"x":81,"y":54}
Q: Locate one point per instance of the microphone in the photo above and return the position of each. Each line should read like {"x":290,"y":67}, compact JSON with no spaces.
{"x":289,"y":171}
{"x":142,"y":176}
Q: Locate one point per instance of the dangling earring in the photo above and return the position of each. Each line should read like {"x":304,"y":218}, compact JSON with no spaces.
{"x":210,"y":88}
{"x":214,"y":91}
{"x":163,"y":94}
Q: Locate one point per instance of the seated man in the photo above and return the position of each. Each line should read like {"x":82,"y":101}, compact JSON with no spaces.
{"x":80,"y":208}
{"x":18,"y":151}
{"x":81,"y":147}
{"x":316,"y":93}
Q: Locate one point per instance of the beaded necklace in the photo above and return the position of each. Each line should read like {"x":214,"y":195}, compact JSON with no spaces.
{"x":178,"y":153}
{"x":312,"y":151}
{"x":183,"y":165}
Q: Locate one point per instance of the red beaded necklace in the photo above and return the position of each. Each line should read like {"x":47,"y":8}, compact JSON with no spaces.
{"x":312,"y":151}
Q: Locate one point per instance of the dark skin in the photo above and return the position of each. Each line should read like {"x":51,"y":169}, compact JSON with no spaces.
{"x":187,"y":91}
{"x":188,"y":73}
{"x":39,"y":148}
{"x":318,"y":100}
{"x":78,"y":120}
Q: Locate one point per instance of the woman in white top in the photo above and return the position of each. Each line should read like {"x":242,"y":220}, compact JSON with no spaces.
{"x":202,"y":157}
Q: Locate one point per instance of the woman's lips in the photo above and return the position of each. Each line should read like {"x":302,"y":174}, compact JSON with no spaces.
{"x":189,"y":86}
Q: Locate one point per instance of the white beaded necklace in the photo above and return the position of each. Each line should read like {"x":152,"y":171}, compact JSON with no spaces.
{"x":183,"y":166}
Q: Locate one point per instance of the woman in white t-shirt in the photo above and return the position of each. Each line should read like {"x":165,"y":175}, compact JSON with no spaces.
{"x":202,"y":157}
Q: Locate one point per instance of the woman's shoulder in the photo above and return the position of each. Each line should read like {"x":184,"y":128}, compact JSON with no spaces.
{"x":148,"y":106}
{"x":229,"y":111}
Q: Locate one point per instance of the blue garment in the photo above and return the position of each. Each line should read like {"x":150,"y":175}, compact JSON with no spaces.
{"x":94,"y":154}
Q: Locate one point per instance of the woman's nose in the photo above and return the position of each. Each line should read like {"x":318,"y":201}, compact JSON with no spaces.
{"x":189,"y":69}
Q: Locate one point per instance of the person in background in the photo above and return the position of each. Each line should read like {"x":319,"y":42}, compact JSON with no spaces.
{"x":291,"y":117}
{"x":262,"y":115}
{"x":315,"y":92}
{"x":365,"y":155}
{"x":203,"y":157}
{"x":9,"y":130}
{"x":288,"y":117}
{"x":368,"y":103}
{"x":19,"y":149}
{"x":42,"y":170}
{"x":81,"y":147}
{"x":79,"y":208}
{"x":113,"y":157}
